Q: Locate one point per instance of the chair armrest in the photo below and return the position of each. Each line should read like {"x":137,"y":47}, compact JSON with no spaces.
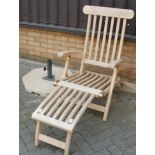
{"x":115,"y":63}
{"x":69,"y":53}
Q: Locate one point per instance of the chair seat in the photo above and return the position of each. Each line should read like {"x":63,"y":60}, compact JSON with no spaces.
{"x":91,"y":80}
{"x":63,"y":108}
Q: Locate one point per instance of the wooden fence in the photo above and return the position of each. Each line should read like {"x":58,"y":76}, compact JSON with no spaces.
{"x":67,"y":15}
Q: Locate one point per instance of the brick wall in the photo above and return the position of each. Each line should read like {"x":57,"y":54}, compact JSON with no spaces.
{"x":42,"y":44}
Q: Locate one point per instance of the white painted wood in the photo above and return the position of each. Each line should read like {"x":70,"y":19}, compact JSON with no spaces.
{"x":52,"y":141}
{"x":105,"y":11}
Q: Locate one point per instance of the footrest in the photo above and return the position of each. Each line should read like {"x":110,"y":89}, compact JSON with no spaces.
{"x":63,"y":108}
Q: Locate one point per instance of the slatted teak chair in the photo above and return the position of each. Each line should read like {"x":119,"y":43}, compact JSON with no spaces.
{"x":73,"y":94}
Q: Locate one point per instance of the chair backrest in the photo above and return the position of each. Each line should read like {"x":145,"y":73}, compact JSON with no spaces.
{"x":103,"y":21}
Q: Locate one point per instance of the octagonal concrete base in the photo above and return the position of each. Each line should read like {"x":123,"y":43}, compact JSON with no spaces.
{"x":35,"y":81}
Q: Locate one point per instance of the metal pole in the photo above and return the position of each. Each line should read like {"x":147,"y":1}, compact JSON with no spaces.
{"x":49,"y":69}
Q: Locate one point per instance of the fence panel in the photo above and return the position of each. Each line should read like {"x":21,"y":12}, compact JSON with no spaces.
{"x":67,"y":13}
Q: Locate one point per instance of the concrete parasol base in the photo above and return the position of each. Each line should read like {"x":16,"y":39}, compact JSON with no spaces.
{"x":35,"y":81}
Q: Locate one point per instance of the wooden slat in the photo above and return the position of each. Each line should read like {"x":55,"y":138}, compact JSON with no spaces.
{"x":52,"y":101}
{"x":80,"y":88}
{"x":86,"y":42}
{"x":86,"y":79}
{"x":70,"y":106}
{"x":78,"y":105}
{"x":52,"y":122}
{"x":87,"y":74}
{"x":115,"y":40}
{"x":48,"y":98}
{"x":98,"y":38}
{"x":102,"y":87}
{"x":59,"y":101}
{"x":65,"y":104}
{"x":106,"y":90}
{"x":101,"y":82}
{"x":87,"y":83}
{"x":71,"y":78}
{"x":110,"y":65}
{"x":105,"y":11}
{"x":92,"y":37}
{"x":82,"y":110}
{"x":104,"y":38}
{"x":52,"y":141}
{"x":121,"y":40}
{"x":96,"y":107}
{"x":109,"y":39}
{"x":95,"y":82}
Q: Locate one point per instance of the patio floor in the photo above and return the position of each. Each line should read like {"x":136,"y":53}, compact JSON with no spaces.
{"x":92,"y":136}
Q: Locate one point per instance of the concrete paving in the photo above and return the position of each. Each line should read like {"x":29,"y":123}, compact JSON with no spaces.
{"x":92,"y":136}
{"x":36,"y":80}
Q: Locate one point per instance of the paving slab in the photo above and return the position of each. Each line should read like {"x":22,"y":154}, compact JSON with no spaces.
{"x":37,"y":82}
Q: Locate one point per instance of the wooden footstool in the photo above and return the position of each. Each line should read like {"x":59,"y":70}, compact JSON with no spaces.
{"x":61,"y":109}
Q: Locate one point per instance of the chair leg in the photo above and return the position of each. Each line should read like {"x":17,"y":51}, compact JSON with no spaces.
{"x":68,"y":141}
{"x":107,"y":108}
{"x":110,"y":94}
{"x":38,"y":129}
